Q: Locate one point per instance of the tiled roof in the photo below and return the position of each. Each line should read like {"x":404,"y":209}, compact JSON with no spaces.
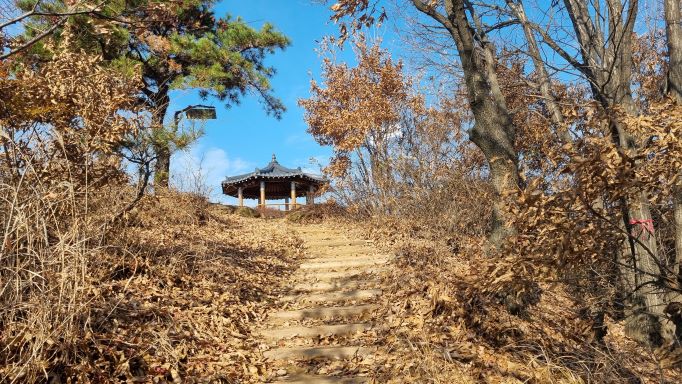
{"x":273,"y":170}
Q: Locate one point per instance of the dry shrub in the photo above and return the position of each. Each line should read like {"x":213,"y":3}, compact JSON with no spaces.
{"x":170,"y":208}
{"x":247,"y":212}
{"x":395,"y":156}
{"x":94,"y":289}
{"x":60,"y":190}
{"x":546,"y":309}
{"x":317,"y":213}
{"x":456,"y":329}
{"x":270,"y":213}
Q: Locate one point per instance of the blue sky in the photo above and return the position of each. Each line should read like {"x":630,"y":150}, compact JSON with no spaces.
{"x":244,"y":137}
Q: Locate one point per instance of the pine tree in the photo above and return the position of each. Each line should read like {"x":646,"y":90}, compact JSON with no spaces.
{"x":174,"y":45}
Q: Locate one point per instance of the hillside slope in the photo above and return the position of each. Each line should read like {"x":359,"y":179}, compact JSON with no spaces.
{"x":170,"y":297}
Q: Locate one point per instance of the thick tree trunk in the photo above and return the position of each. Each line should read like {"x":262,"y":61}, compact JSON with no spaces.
{"x":607,"y":65}
{"x":162,"y":166}
{"x":493,"y":131}
{"x":490,"y":134}
{"x":677,"y":205}
{"x":644,"y":309}
{"x":673,"y":29}
{"x":645,"y":304}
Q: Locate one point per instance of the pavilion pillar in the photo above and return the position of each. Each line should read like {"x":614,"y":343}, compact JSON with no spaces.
{"x":286,"y":203}
{"x":311,"y":195}
{"x":240,"y":195}
{"x":262,"y":194}
{"x":293,"y":194}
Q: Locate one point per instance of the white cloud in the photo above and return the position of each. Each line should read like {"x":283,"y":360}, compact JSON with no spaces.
{"x":200,"y":169}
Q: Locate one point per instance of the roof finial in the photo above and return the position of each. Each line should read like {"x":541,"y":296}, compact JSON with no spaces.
{"x":274,"y":158}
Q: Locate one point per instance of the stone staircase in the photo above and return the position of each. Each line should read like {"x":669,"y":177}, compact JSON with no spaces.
{"x":331,"y":296}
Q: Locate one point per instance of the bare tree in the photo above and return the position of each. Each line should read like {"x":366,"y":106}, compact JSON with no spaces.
{"x":604,"y":33}
{"x":544,"y":81}
{"x":493,"y":132}
{"x":674,"y":90}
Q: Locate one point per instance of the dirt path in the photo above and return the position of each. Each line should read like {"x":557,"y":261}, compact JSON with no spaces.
{"x":323,"y":316}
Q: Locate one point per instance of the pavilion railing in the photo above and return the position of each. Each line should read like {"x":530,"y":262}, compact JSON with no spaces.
{"x":281,"y":206}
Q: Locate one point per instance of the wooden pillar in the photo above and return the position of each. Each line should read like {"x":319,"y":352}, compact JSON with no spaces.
{"x":311,"y":195}
{"x":262,"y":194}
{"x":286,"y":203}
{"x":240,"y":195}
{"x":293,"y":194}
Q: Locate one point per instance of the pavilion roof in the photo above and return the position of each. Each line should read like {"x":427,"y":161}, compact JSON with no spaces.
{"x":274,"y":171}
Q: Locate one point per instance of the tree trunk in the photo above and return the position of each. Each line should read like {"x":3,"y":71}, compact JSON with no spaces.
{"x":490,"y":135}
{"x":162,"y":166}
{"x":644,"y":309}
{"x":161,"y":141}
{"x":607,"y":66}
{"x":493,"y":132}
{"x":673,"y":30}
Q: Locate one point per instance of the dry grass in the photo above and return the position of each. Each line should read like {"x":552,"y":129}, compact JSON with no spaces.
{"x":167,"y":293}
{"x":308,"y":214}
{"x":437,"y":324}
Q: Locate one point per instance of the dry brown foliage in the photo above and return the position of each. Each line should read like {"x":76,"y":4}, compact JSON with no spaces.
{"x":550,"y":306}
{"x":357,"y":105}
{"x":327,"y":210}
{"x":94,"y":289}
{"x":394,"y":155}
{"x":454,"y":329}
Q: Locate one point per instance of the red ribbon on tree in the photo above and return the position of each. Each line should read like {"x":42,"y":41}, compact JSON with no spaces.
{"x":644,"y":225}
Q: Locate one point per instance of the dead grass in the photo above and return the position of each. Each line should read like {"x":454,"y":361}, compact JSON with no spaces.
{"x":168,"y":294}
{"x":438,"y":325}
{"x":317,"y":213}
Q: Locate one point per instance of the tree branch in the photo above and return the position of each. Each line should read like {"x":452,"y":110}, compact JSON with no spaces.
{"x":34,"y":40}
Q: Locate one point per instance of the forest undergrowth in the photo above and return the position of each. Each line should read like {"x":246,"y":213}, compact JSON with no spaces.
{"x":454,"y":330}
{"x":170,"y":296}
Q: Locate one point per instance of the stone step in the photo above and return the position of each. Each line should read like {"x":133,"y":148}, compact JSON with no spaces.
{"x":337,"y":285}
{"x":313,"y":379}
{"x":358,"y":294}
{"x":307,"y":353}
{"x":335,"y":243}
{"x":312,"y":275}
{"x":343,"y":264}
{"x":315,"y":331}
{"x":345,"y":251}
{"x":322,"y":313}
{"x":315,"y":258}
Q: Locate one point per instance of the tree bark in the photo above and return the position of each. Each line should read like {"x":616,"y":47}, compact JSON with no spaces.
{"x":493,"y":132}
{"x":677,"y":208}
{"x":673,"y":29}
{"x":162,"y":166}
{"x":607,"y":65}
{"x":161,"y":144}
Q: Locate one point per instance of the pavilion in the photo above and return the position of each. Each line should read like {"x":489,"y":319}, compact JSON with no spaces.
{"x":274,"y":182}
